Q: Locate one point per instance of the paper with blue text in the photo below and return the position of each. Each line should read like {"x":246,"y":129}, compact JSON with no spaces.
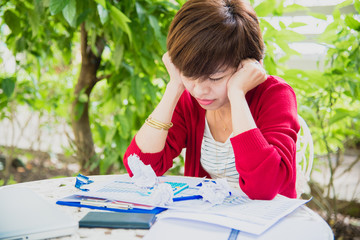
{"x":237,"y":211}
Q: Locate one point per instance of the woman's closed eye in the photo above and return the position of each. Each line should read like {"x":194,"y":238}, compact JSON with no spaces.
{"x":216,"y":78}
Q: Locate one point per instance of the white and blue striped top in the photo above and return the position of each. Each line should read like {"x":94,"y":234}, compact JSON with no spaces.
{"x":218,"y":158}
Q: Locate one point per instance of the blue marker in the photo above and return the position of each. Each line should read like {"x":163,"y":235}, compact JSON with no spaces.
{"x":178,"y":199}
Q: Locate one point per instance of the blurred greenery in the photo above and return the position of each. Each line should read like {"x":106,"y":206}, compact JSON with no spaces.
{"x":9,"y":182}
{"x":45,"y":37}
{"x":128,"y":38}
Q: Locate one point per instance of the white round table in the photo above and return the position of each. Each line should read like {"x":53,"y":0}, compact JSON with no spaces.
{"x":55,"y":189}
{"x":303,"y":223}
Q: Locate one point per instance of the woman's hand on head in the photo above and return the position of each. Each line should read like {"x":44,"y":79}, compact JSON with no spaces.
{"x":249,"y":74}
{"x":174,"y":73}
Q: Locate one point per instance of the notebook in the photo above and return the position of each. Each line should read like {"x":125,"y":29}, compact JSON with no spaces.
{"x":128,"y":220}
{"x":26,"y":215}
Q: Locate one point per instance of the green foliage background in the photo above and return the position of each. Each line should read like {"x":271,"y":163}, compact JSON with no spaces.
{"x":44,"y":37}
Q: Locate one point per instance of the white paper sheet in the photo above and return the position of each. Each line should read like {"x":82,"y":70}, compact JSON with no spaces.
{"x":176,"y":229}
{"x":301,"y":224}
{"x":122,"y":188}
{"x":237,"y":211}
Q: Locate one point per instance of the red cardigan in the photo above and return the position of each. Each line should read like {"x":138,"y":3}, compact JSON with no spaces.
{"x":264,"y":156}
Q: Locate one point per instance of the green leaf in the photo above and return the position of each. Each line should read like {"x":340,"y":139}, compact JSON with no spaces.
{"x":8,"y":86}
{"x":357,"y":5}
{"x":287,"y":50}
{"x":57,"y":6}
{"x":103,"y":14}
{"x":124,"y":92}
{"x":352,"y":23}
{"x":108,"y":161}
{"x":69,"y":13}
{"x":318,"y":15}
{"x":137,"y":93}
{"x":155,"y":25}
{"x":79,"y":109}
{"x":282,"y":25}
{"x":12,"y":20}
{"x":181,"y":2}
{"x":344,"y":4}
{"x":265,"y":8}
{"x":270,"y":65}
{"x":101,"y":131}
{"x":289,"y":36}
{"x":124,"y":125}
{"x":140,"y":12}
{"x":81,"y":18}
{"x":297,"y":24}
{"x":28,"y":5}
{"x":337,"y":15}
{"x":151,"y":91}
{"x":147,"y":64}
{"x":110,"y":135}
{"x":34,"y":21}
{"x":123,"y":146}
{"x":279,"y":8}
{"x":83,"y":98}
{"x":20,"y":44}
{"x":101,"y":2}
{"x":354,"y":89}
{"x":121,"y":20}
{"x":3,"y":104}
{"x":339,"y":115}
{"x":118,"y":55}
{"x":294,"y":8}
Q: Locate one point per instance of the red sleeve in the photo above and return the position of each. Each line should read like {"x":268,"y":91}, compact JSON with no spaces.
{"x":265,"y":156}
{"x":175,"y":142}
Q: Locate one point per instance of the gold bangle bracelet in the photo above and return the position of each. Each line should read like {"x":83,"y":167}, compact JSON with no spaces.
{"x":157,"y":124}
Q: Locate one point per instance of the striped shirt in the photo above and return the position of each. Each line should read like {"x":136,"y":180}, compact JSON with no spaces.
{"x":218,"y":158}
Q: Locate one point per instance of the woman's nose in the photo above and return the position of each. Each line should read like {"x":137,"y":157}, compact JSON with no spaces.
{"x":201,"y":88}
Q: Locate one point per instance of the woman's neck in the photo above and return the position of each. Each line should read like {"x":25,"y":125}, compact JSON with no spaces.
{"x":220,"y":123}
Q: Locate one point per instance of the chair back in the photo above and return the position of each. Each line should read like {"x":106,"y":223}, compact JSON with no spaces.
{"x":304,"y":157}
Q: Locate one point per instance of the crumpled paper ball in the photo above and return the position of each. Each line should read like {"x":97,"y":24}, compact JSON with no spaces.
{"x":143,"y":175}
{"x":215,"y":191}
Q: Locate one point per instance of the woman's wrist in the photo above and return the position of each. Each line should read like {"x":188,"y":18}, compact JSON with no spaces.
{"x":235,"y":95}
{"x":175,"y":87}
{"x":168,"y":102}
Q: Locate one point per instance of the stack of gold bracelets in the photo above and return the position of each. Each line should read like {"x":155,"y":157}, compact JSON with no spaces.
{"x":157,"y":124}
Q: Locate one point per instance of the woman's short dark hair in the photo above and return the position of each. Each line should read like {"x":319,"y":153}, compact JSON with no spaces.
{"x":208,"y":35}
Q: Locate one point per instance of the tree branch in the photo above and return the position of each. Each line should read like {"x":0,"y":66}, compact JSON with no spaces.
{"x":103,"y":77}
{"x":83,"y":41}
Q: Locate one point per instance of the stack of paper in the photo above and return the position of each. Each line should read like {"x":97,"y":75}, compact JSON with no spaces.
{"x":236,"y":212}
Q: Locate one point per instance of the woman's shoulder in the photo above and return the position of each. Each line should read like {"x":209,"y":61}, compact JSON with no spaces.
{"x":273,"y":87}
{"x":274,"y":83}
{"x":272,"y":80}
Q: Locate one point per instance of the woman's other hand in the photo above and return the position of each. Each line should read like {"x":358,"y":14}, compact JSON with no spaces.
{"x":249,"y":74}
{"x":174,"y":73}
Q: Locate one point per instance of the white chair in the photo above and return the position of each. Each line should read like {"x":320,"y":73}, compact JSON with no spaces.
{"x":304,"y":157}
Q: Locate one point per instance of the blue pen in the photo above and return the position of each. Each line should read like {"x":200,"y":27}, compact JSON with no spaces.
{"x":200,"y":184}
{"x":178,"y":199}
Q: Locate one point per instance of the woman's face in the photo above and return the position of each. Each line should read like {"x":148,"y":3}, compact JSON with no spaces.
{"x":210,"y":93}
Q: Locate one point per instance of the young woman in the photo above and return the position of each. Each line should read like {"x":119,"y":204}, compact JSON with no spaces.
{"x":233,"y":119}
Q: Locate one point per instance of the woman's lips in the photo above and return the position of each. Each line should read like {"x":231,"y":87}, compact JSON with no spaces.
{"x":204,"y":101}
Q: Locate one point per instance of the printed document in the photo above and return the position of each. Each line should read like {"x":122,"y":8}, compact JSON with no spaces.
{"x":236,"y":212}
